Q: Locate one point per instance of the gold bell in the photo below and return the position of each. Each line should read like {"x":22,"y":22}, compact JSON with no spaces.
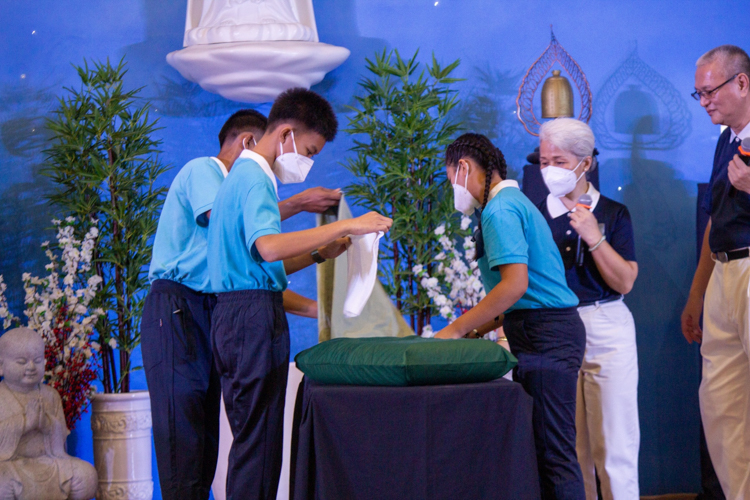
{"x":557,"y":96}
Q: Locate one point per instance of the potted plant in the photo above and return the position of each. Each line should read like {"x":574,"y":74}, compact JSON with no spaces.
{"x":105,"y":165}
{"x":401,"y":126}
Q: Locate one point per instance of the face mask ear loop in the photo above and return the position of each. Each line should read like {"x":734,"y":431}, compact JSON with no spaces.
{"x":294,"y":143}
{"x":255,"y":142}
{"x":455,"y":179}
{"x":582,"y":173}
{"x":466,"y":181}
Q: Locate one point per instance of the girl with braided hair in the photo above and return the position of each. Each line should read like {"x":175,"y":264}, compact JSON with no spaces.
{"x":524,"y":276}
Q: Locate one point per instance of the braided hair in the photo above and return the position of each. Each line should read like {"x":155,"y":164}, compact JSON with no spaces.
{"x":489,"y":158}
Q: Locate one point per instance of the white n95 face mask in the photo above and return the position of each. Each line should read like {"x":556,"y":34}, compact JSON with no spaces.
{"x":463,"y":201}
{"x":561,"y":181}
{"x":291,"y":168}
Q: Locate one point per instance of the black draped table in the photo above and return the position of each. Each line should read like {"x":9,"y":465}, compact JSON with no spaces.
{"x":470,"y":441}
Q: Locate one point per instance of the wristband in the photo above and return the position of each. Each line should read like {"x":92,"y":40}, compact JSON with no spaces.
{"x":598,"y":244}
{"x":316,"y":256}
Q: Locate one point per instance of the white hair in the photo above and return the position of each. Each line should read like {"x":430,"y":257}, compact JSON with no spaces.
{"x":571,"y":135}
{"x":731,"y":58}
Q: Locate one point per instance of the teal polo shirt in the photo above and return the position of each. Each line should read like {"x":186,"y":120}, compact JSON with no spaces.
{"x":245,"y":209}
{"x":180,"y":244}
{"x":515,"y":232}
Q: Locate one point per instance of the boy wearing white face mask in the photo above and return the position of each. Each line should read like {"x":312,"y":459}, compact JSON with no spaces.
{"x":597,"y":248}
{"x":175,"y":331}
{"x":248,"y":262}
{"x":526,"y":294}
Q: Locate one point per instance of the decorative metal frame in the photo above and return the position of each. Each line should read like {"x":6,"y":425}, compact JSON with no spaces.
{"x":534,"y":76}
{"x":678,"y":119}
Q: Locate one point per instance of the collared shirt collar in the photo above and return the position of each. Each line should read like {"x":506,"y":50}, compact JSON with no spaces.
{"x":252,"y":155}
{"x":744,"y":133}
{"x":221,"y":166}
{"x":556,"y":208}
{"x":500,"y":186}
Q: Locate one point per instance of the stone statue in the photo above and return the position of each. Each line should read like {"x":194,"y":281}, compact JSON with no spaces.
{"x":33,"y":462}
{"x":224,"y":21}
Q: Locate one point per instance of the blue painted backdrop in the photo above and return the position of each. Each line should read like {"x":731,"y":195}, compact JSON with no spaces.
{"x":638,"y":56}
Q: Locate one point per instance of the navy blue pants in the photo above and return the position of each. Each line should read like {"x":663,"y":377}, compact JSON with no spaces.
{"x":184,"y":388}
{"x":251,"y":348}
{"x":549,"y":345}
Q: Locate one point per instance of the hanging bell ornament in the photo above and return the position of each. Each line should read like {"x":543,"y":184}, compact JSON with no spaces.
{"x":557,"y":96}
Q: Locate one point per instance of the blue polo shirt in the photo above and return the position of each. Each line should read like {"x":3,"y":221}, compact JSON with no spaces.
{"x":728,"y":207}
{"x":245,"y":209}
{"x":515,"y":232}
{"x":614,"y":223}
{"x":179,"y":252}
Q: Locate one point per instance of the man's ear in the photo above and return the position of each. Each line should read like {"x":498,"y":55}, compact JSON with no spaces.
{"x":284,"y":133}
{"x":246,"y":140}
{"x":744,"y":83}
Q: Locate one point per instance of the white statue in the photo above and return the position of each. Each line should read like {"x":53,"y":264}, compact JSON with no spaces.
{"x":225,"y":21}
{"x":33,"y":462}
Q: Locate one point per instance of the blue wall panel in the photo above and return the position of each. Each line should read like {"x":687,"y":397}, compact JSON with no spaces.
{"x":638,"y":56}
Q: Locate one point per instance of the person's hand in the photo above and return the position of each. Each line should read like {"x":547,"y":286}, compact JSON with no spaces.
{"x":739,"y":174}
{"x":690,"y":319}
{"x":448,"y":333}
{"x":586,"y":225}
{"x":371,"y":222}
{"x":317,"y":200}
{"x":335,"y":248}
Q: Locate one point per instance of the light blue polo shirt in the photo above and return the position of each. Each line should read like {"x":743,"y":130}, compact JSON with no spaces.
{"x":181,"y":240}
{"x":245,"y":209}
{"x":515,"y":232}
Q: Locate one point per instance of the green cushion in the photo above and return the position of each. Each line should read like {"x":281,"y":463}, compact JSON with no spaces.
{"x":404,"y":361}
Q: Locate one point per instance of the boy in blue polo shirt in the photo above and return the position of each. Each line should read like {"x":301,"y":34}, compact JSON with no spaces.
{"x":527,"y":294}
{"x":177,"y":356}
{"x":248,"y":261}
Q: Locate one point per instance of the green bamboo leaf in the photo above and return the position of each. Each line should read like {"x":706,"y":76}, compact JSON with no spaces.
{"x":400,"y":125}
{"x":105,"y":164}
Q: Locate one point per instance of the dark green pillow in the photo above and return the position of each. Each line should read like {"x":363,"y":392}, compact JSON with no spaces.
{"x":404,"y":361}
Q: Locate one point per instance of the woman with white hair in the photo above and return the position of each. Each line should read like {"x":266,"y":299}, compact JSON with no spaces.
{"x":595,"y":237}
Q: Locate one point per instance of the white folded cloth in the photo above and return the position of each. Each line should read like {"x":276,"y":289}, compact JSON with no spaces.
{"x":362,"y":260}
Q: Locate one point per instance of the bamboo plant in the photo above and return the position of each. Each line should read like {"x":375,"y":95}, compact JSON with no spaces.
{"x":105,"y":163}
{"x":401,"y":126}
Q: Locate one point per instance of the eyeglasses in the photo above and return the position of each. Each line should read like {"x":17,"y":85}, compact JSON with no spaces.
{"x":698,"y":94}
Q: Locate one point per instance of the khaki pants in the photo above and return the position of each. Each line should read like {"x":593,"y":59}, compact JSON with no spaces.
{"x":725,"y":388}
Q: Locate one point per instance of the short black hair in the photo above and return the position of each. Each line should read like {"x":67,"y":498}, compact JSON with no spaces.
{"x":244,"y":120}
{"x":308,"y":109}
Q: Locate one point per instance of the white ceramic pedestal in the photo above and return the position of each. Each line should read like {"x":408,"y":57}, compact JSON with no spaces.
{"x":256,"y":71}
{"x":121,"y":425}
